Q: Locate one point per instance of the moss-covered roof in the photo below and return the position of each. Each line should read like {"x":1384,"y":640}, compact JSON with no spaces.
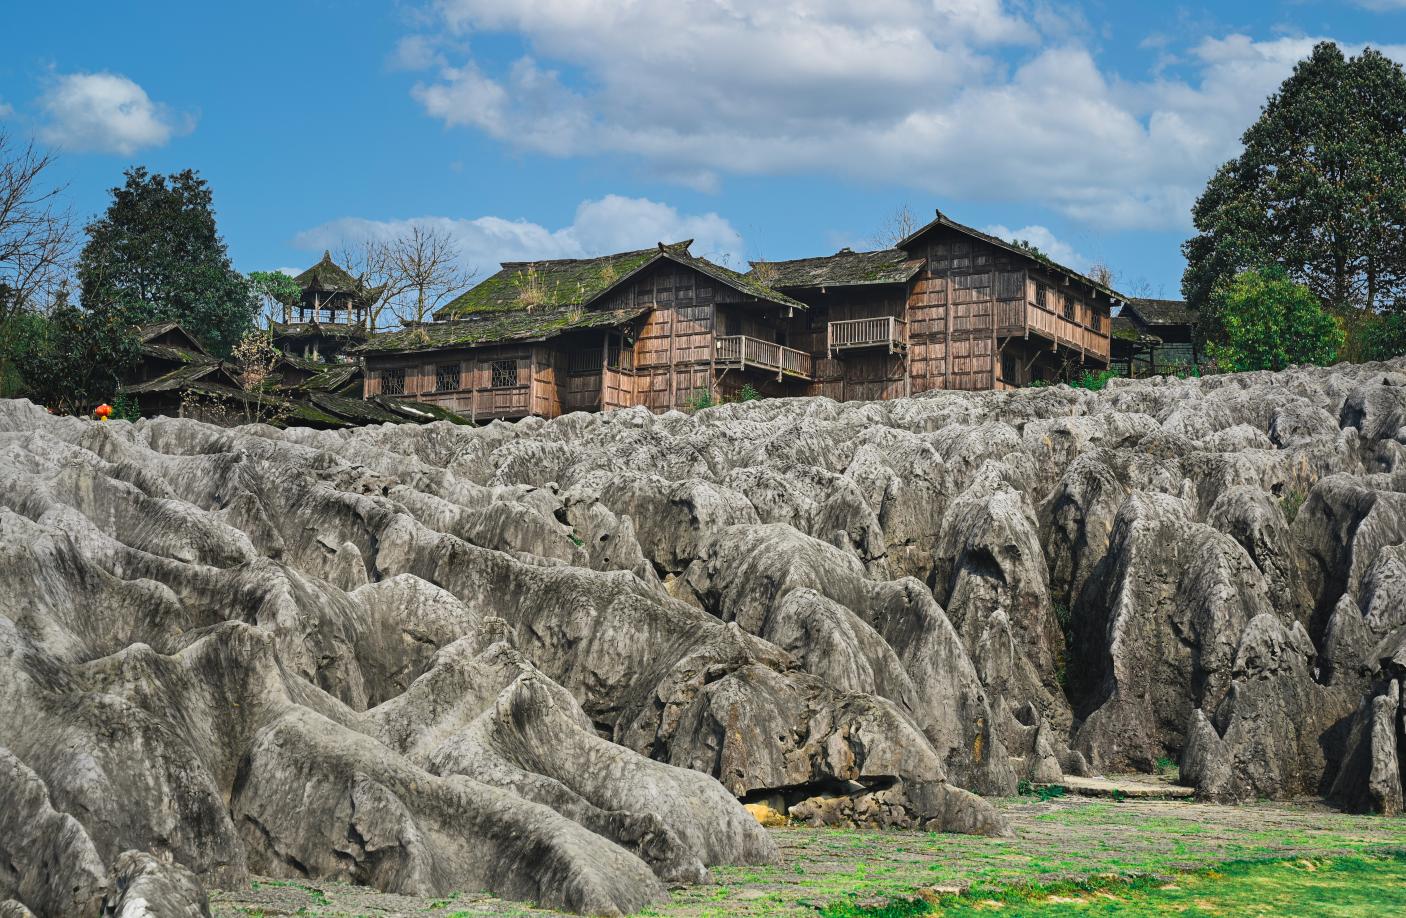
{"x":538,"y":285}
{"x":327,"y":276}
{"x":294,"y":330}
{"x":742,"y":283}
{"x":1124,"y":329}
{"x":173,"y":354}
{"x":846,"y":268}
{"x":191,"y":351}
{"x":331,"y":377}
{"x":494,"y":327}
{"x":178,"y":378}
{"x":1161,"y":312}
{"x":942,"y":220}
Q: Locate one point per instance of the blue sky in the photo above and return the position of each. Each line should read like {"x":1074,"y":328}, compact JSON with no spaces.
{"x":763,"y":128}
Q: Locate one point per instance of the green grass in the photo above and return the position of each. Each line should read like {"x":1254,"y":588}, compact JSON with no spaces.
{"x":1058,"y":840}
{"x":1066,"y":846}
{"x":1341,"y":887}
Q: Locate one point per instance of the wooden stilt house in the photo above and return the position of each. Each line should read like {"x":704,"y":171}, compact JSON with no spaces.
{"x":948,"y":308}
{"x":655,"y":327}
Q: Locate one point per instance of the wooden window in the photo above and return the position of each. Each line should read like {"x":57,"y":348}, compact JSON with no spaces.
{"x":1069,"y":306}
{"x":1040,"y":294}
{"x":584,"y":360}
{"x":393,"y":381}
{"x":503,"y":374}
{"x":1010,"y":369}
{"x":446,"y":377}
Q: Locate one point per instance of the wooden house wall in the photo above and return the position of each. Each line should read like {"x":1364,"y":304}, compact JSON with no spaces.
{"x":953,"y":307}
{"x":673,"y":351}
{"x":476,"y":396}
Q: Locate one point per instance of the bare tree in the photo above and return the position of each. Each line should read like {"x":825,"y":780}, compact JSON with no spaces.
{"x":898,"y":226}
{"x":369,"y":261}
{"x":1101,"y":273}
{"x":424,"y":264}
{"x":36,"y":233}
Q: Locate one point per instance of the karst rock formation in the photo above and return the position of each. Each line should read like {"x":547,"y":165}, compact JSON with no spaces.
{"x":554,"y":659}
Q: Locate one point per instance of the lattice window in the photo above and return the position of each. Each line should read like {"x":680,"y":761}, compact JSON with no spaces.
{"x":446,"y":377}
{"x":504,"y":374}
{"x":585,"y":360}
{"x":393,"y":381}
{"x":1040,"y":295}
{"x":1069,"y":307}
{"x":1010,"y":369}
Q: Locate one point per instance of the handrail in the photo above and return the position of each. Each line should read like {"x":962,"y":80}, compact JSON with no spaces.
{"x":881,"y":331}
{"x":767,"y":355}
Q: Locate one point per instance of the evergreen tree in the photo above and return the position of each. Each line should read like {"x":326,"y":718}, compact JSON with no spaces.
{"x":156,"y":256}
{"x":1320,"y":191}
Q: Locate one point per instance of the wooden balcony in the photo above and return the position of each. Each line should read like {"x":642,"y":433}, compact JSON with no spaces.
{"x":745,"y":353}
{"x":864,"y":334}
{"x":1014,"y":319}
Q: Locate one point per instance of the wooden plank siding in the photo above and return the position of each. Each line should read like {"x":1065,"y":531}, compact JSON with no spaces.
{"x":976,"y":316}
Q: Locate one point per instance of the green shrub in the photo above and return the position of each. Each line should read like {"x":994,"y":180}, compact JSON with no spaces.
{"x":700,"y":399}
{"x":125,"y":408}
{"x":748,"y":393}
{"x":1291,"y":503}
{"x":1268,"y":322}
{"x":1092,"y":381}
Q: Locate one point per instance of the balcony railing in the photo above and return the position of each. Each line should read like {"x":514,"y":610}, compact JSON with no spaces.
{"x":743,"y":352}
{"x":855,"y":334}
{"x":1016,"y":318}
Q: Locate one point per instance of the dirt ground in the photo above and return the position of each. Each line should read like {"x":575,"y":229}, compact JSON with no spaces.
{"x":1056,"y":839}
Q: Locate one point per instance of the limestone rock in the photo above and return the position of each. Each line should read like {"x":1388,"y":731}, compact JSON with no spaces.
{"x":580,"y":644}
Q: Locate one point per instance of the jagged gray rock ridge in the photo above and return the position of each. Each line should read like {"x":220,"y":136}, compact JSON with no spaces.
{"x":552,"y":659}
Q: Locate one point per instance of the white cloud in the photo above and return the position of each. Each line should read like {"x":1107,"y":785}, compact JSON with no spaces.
{"x":944,"y":96}
{"x":106,"y":113}
{"x":610,"y":224}
{"x":1043,"y":239}
{"x":416,"y":52}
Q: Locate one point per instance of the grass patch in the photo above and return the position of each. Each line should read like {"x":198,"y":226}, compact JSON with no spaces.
{"x":1341,"y":887}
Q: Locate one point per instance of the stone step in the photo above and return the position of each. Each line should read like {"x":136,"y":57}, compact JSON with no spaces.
{"x":1133,"y":787}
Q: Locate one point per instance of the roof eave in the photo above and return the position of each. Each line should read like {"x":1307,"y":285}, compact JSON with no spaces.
{"x":942,"y":220}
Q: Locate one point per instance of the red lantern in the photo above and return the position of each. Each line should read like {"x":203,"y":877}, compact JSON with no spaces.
{"x":103,"y":411}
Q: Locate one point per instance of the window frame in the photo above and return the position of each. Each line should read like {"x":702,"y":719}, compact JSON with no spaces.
{"x":497,"y":367}
{"x":442,"y":373}
{"x":389,"y":373}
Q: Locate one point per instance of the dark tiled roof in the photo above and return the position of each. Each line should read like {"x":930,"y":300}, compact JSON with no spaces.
{"x":1124,"y":329}
{"x":1162,"y":312}
{"x":846,"y":268}
{"x":331,"y":377}
{"x":191,"y":352}
{"x":742,"y":283}
{"x":540,"y":285}
{"x":318,"y":330}
{"x":179,"y":378}
{"x":497,"y":326}
{"x":327,"y":276}
{"x":175,"y":354}
{"x":942,"y":220}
